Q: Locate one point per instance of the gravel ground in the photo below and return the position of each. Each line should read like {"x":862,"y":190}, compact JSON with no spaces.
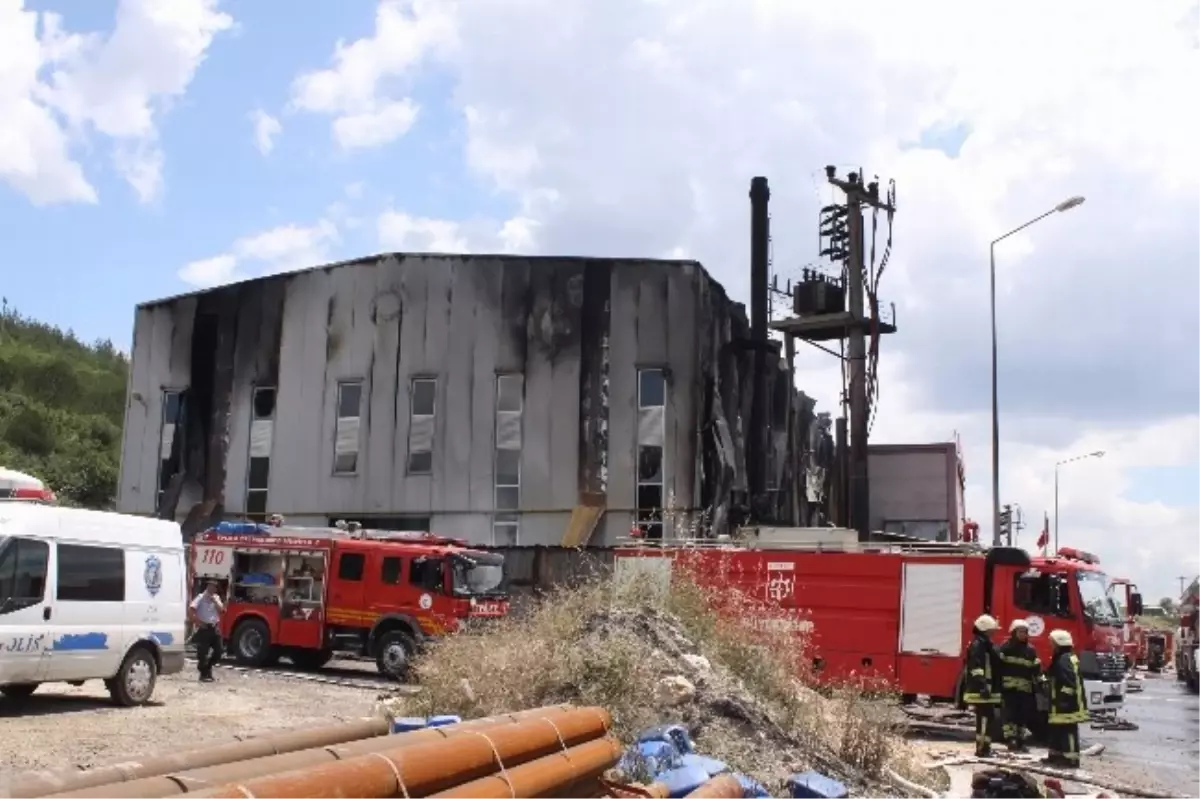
{"x":63,"y":725}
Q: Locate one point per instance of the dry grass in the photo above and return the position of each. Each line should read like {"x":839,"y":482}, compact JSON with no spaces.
{"x":609,"y":644}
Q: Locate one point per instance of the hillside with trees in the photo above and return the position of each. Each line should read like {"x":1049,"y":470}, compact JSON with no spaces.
{"x":61,"y":409}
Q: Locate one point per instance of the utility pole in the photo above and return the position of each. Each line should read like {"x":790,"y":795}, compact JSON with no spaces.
{"x":1182,"y":585}
{"x":857,"y":196}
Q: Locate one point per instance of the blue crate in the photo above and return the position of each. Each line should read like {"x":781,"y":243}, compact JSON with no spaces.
{"x":443,"y":721}
{"x":408,"y":724}
{"x":815,"y":784}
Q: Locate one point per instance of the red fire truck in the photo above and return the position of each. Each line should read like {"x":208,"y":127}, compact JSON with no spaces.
{"x":1125,"y":596}
{"x":304,"y":593}
{"x":903,"y":612}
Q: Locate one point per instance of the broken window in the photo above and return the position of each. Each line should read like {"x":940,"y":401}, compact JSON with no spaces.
{"x":651,"y":449}
{"x":347,"y":433}
{"x":423,"y":399}
{"x":510,"y":405}
{"x":168,"y":459}
{"x":262,"y":430}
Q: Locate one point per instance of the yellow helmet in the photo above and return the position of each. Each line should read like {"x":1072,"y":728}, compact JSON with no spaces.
{"x":1018,"y":624}
{"x":1061,"y":638}
{"x":986,"y":623}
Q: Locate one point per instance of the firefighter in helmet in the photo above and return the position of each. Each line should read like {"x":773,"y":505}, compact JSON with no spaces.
{"x":1020,"y":670}
{"x":982,"y":685}
{"x":1068,"y":702}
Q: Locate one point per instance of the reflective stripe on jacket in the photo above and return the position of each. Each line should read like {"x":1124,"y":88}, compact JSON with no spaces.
{"x":1019,"y":666}
{"x":1068,"y":703}
{"x":980,"y":682}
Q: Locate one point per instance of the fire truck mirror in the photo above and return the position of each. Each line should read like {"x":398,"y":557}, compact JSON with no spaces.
{"x":1135,"y":604}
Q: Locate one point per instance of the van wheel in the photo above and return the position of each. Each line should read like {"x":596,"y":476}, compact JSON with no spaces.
{"x":311,"y":659}
{"x":251,"y":642}
{"x":134,"y":683}
{"x":19,"y":691}
{"x":393,"y":654}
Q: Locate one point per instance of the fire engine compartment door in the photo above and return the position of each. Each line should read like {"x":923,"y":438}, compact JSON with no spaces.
{"x":931,"y":609}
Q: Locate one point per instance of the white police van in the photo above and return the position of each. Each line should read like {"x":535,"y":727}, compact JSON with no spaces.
{"x":89,"y":595}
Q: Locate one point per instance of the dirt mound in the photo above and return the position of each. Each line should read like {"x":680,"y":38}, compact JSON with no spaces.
{"x":674,"y":660}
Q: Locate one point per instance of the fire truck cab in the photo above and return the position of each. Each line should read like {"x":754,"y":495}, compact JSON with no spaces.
{"x":304,"y":593}
{"x":904,"y":612}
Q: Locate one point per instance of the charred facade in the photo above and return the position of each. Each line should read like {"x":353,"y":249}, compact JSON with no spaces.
{"x":506,"y":400}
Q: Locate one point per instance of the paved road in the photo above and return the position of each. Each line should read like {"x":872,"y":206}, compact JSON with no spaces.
{"x":1165,"y":751}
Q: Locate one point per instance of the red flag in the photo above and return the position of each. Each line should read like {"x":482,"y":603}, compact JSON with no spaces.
{"x":1044,"y":538}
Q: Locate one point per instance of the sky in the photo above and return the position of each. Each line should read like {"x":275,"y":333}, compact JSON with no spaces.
{"x":152,"y":147}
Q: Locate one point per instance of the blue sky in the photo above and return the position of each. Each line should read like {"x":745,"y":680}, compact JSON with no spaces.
{"x":218,"y":187}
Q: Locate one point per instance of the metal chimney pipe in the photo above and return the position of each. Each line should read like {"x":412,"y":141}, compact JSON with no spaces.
{"x":760,"y":233}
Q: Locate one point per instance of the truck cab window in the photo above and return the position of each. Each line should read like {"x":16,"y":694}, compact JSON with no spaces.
{"x":1040,"y":593}
{"x":23,"y":565}
{"x":389,"y":571}
{"x":427,"y":573}
{"x":350,"y":566}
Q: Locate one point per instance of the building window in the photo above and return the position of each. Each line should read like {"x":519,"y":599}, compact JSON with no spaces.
{"x":262,"y":430}
{"x":510,"y":406}
{"x":423,"y":400}
{"x":90,"y":574}
{"x":652,"y":401}
{"x":168,"y":458}
{"x":347,"y":433}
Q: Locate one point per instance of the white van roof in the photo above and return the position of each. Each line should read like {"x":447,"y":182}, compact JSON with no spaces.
{"x":100,"y":527}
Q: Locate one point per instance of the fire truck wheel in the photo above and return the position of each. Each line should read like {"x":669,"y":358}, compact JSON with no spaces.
{"x":393,"y":654}
{"x":311,"y":659}
{"x":252,"y":642}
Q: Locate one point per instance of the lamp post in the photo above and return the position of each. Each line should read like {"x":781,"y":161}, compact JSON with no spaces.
{"x":1097,"y":454}
{"x":1065,"y":205}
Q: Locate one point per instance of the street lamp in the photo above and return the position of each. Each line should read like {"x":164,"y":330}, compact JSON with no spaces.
{"x":1065,"y":205}
{"x":1097,"y":454}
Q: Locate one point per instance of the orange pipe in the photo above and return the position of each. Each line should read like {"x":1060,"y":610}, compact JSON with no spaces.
{"x":199,"y":779}
{"x":426,"y":767}
{"x":722,"y":786}
{"x":547,"y":776}
{"x":41,"y":783}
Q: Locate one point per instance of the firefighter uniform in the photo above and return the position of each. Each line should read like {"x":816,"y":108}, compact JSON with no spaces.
{"x":1068,"y":701}
{"x":1020,"y":670}
{"x":982,"y":692}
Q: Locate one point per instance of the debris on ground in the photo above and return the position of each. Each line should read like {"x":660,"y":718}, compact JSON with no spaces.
{"x":674,"y":661}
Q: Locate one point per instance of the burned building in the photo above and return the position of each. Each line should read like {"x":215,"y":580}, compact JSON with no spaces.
{"x":505,"y":400}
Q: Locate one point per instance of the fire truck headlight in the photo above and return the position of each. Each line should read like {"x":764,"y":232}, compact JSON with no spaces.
{"x":1097,"y":698}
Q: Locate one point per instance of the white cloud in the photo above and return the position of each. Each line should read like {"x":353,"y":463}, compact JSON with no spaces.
{"x":266,"y":128}
{"x":359,"y":90}
{"x":648,"y":149}
{"x":401,"y":232}
{"x":115,"y":85}
{"x":280,"y":249}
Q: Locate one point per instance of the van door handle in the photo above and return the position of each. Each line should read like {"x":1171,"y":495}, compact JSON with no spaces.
{"x":46,"y":613}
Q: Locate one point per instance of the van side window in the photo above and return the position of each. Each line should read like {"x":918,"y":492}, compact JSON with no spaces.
{"x":389,"y":572}
{"x":427,"y":573}
{"x":90,"y":574}
{"x":350,"y":566}
{"x":23,"y":565}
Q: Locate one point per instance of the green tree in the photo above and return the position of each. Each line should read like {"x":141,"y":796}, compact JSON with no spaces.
{"x":62,"y":404}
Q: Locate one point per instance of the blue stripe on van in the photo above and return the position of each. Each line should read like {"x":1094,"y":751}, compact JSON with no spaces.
{"x":162,"y":639}
{"x":83,"y":641}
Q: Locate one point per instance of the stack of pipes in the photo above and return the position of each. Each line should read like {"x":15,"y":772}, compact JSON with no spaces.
{"x":552,"y":751}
